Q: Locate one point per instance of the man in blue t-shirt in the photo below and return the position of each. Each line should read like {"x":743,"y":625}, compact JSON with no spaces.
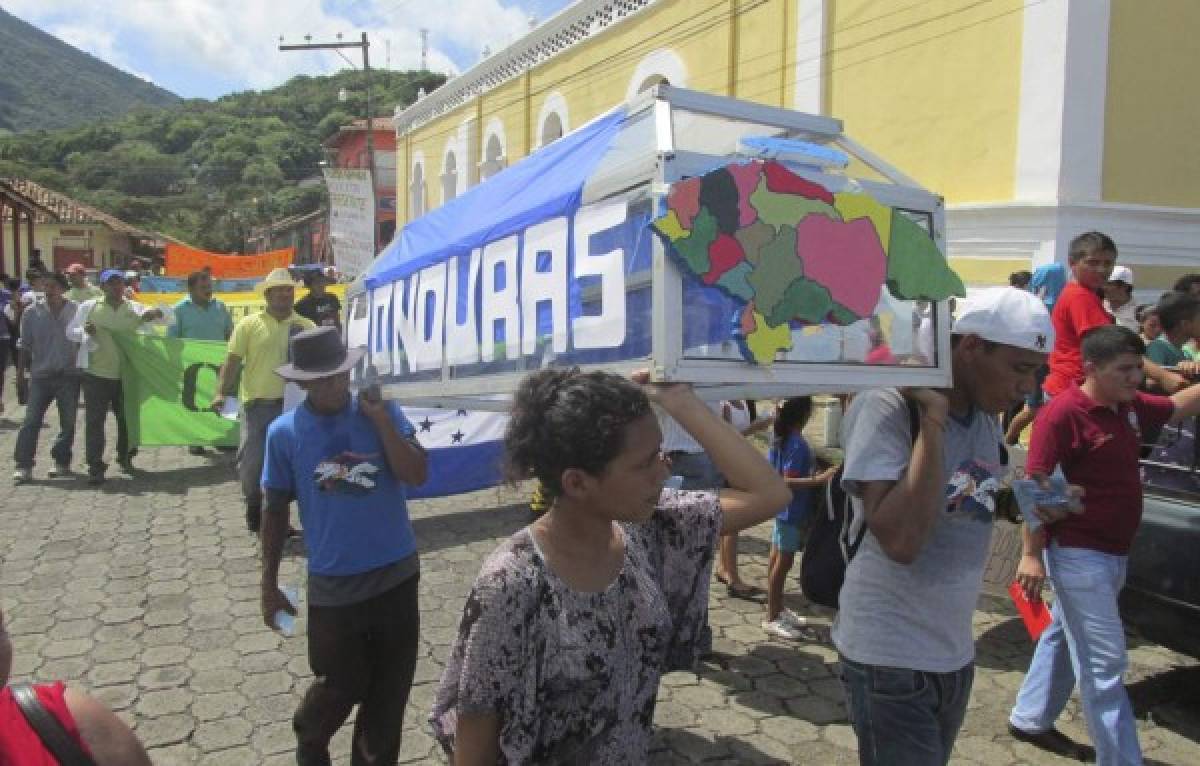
{"x":346,"y":461}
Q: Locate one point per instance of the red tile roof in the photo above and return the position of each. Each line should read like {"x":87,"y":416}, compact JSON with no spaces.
{"x":53,"y":207}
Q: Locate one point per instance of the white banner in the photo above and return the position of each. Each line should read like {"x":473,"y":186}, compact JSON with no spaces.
{"x":351,"y":218}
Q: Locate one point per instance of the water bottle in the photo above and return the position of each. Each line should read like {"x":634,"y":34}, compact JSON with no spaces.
{"x":284,"y":621}
{"x":371,"y":390}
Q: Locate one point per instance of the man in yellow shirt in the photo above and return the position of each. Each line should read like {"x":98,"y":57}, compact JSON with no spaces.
{"x":258,"y":345}
{"x":100,"y":321}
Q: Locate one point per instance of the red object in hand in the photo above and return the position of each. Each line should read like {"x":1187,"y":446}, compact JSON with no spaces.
{"x":1035,"y":614}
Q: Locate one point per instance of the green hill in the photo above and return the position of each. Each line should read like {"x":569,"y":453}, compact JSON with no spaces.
{"x":48,"y":84}
{"x":208,"y":171}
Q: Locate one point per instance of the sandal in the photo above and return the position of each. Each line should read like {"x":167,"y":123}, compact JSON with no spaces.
{"x":746,"y":592}
{"x":722,"y":579}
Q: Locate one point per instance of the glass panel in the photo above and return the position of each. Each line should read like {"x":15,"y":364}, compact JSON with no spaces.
{"x":898,"y":333}
{"x":719,"y":136}
{"x":629,"y":158}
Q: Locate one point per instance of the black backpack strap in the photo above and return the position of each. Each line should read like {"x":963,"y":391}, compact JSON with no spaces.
{"x":914,"y":419}
{"x":52,"y":733}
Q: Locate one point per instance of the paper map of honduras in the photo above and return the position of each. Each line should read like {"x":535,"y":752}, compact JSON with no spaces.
{"x":791,"y":250}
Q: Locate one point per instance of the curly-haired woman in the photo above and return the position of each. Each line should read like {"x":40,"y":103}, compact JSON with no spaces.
{"x":573,"y":620}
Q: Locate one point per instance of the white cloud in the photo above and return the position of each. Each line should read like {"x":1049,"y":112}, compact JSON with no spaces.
{"x":236,"y":40}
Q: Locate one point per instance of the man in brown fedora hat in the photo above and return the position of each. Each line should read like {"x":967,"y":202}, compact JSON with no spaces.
{"x":346,"y":460}
{"x":258,"y":345}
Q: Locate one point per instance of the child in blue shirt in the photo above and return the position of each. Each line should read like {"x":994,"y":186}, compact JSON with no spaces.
{"x":793,"y":459}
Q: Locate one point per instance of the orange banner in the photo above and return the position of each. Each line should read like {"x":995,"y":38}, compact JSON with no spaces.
{"x":182,"y":261}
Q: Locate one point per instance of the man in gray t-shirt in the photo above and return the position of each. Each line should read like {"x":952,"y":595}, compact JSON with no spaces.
{"x":904,"y":625}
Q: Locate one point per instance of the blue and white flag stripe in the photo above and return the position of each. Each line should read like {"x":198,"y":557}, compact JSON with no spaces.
{"x":465,"y":449}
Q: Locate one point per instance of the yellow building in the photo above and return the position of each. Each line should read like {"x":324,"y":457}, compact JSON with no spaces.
{"x":1035,"y":120}
{"x":60,"y":229}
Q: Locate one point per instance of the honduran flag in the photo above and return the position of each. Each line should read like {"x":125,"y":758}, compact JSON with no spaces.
{"x":464,"y":446}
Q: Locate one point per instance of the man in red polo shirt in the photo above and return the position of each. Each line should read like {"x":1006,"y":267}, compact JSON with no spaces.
{"x":1093,"y":433}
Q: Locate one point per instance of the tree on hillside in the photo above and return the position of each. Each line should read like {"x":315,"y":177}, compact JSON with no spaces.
{"x":208,"y":171}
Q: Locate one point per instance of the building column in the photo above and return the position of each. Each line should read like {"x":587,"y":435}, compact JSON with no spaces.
{"x":1060,"y":125}
{"x":812,"y":34}
{"x":2,"y":207}
{"x":29,"y":232}
{"x":16,"y":219}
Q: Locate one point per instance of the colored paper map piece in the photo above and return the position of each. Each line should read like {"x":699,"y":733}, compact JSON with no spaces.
{"x":791,"y":251}
{"x":845,"y":257}
{"x":764,"y":341}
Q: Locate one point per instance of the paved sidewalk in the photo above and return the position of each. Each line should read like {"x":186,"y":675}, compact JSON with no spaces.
{"x":145,"y":592}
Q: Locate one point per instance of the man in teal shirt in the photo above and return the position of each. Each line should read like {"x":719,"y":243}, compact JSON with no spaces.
{"x":200,"y":316}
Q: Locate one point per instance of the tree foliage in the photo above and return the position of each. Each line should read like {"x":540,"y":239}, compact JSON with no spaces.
{"x":208,"y":171}
{"x":46,"y":83}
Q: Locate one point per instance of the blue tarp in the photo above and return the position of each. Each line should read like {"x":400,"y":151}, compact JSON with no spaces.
{"x":544,"y":185}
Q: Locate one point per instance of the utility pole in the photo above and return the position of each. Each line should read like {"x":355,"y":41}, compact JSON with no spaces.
{"x":363,"y":46}
{"x":424,"y":50}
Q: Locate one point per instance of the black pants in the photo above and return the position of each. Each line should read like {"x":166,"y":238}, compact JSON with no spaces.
{"x":363,"y":654}
{"x":100,"y":396}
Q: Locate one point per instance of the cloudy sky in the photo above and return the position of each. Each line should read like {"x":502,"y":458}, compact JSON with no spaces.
{"x":207,"y":48}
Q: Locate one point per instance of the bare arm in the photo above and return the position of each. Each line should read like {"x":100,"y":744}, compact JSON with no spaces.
{"x":112,"y":742}
{"x":1167,"y":381}
{"x":756,"y":493}
{"x":1187,"y":404}
{"x":477,"y":740}
{"x":274,"y":534}
{"x":901,"y":513}
{"x":761,"y":424}
{"x":811,"y":482}
{"x":225,"y":383}
{"x":1031,"y":572}
{"x":405,"y":457}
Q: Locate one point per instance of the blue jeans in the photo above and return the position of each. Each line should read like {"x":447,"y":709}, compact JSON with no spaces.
{"x":1084,"y":643}
{"x":63,"y":390}
{"x":905,"y":717}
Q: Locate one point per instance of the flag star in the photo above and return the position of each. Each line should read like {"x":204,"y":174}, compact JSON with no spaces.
{"x":426,"y":424}
{"x":457,"y":437}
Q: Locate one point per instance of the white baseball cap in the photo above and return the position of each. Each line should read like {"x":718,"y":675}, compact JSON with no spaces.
{"x":1008,"y":316}
{"x":1121,"y":274}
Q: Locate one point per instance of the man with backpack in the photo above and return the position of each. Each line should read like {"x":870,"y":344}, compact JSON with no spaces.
{"x":904,"y":628}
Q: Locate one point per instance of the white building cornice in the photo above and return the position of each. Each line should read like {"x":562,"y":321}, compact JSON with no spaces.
{"x":566,"y":29}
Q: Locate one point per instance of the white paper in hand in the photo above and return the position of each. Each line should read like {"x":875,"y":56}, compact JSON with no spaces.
{"x":230,"y":410}
{"x":284,"y":621}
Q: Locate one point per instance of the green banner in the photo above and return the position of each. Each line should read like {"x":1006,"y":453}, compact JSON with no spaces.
{"x":168,"y":385}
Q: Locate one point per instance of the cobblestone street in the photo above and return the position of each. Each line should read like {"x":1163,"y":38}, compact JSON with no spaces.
{"x":145,"y":593}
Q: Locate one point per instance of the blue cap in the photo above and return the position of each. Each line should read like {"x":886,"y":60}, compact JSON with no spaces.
{"x":108,"y":274}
